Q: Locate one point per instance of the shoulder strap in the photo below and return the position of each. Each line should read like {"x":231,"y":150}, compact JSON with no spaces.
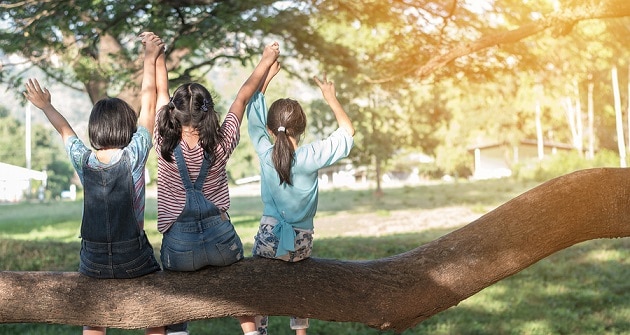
{"x":183,"y":169}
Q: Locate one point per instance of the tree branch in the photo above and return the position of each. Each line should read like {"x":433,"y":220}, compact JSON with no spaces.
{"x":583,"y":11}
{"x":393,"y":293}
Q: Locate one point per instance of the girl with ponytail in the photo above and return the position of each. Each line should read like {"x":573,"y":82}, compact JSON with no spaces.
{"x":289,"y":174}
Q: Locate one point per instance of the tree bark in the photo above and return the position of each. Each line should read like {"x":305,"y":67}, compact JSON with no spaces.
{"x":395,"y":293}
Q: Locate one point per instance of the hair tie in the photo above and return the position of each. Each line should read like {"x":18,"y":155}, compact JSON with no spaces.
{"x":171,"y":105}
{"x":204,"y":106}
{"x":282,"y":129}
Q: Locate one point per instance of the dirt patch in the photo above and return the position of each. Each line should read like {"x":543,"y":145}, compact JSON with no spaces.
{"x":400,"y":221}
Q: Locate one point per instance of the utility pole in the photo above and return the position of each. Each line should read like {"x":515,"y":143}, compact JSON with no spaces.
{"x":27,"y":143}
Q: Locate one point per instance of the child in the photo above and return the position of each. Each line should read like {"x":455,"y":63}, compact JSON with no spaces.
{"x":193,"y":197}
{"x":289,"y":174}
{"x":113,"y":243}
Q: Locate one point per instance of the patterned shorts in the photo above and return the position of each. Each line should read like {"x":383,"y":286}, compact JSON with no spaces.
{"x":266,"y":242}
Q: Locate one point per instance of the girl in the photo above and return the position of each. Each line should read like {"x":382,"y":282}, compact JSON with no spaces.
{"x":193,"y":197}
{"x":113,"y":243}
{"x":289,"y":173}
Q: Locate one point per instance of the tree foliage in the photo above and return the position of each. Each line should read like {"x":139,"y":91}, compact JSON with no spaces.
{"x":428,"y":61}
{"x":92,"y":45}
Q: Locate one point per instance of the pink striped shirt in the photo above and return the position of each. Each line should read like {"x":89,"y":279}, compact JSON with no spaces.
{"x":171,"y":195}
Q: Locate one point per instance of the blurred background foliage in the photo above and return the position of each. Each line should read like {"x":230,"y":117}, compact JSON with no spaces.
{"x":383,"y":55}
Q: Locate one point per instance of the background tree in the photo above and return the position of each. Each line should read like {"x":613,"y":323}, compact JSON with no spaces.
{"x":92,"y":46}
{"x":389,"y":47}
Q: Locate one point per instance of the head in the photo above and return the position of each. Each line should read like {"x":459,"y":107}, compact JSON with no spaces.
{"x":191,"y":106}
{"x":285,"y":120}
{"x":112,"y":124}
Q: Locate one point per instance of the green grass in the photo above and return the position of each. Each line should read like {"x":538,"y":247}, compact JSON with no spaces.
{"x":580,"y":290}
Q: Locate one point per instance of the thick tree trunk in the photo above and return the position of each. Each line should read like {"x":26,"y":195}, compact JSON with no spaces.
{"x":391,"y":293}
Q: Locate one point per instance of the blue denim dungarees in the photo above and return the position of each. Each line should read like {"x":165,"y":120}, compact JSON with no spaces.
{"x":202,"y":235}
{"x":113,"y":245}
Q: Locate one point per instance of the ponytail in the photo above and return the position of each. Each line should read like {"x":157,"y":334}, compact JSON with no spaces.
{"x":282,"y":156}
{"x":170,"y":130}
{"x":287,"y":120}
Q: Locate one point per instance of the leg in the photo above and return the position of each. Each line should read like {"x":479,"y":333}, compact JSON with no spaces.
{"x":248,"y":325}
{"x":155,"y":331}
{"x":87,"y":330}
{"x":299,"y":325}
{"x":177,"y":329}
{"x":261,"y":324}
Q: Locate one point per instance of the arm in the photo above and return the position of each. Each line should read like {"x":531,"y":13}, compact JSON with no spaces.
{"x":273,"y":70}
{"x":328,"y":91}
{"x":41,"y":99}
{"x":257,"y":124}
{"x":245,"y":93}
{"x":152,"y":48}
{"x":161,"y":80}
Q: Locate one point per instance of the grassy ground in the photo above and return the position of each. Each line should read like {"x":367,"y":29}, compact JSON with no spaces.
{"x":579,"y":290}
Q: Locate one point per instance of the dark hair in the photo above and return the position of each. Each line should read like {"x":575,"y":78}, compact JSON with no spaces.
{"x":285,"y":119}
{"x":112,"y":124}
{"x":191,"y":106}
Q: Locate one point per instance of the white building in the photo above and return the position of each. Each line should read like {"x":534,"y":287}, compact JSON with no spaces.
{"x":15,"y":181}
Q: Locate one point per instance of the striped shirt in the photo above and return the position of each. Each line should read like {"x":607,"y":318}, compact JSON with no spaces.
{"x":171,"y":194}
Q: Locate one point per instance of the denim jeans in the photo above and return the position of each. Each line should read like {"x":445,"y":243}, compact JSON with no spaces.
{"x":190,"y":246}
{"x":123,"y":260}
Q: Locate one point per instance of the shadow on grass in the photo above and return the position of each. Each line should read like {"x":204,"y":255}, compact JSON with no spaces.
{"x":580,"y":290}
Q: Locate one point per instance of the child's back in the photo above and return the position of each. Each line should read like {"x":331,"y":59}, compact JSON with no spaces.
{"x":289,"y":175}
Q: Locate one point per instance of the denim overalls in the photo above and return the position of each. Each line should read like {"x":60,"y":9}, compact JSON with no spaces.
{"x":113,"y":245}
{"x":202,"y":235}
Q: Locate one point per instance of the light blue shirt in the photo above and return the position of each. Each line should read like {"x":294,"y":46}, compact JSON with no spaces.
{"x":294,"y":206}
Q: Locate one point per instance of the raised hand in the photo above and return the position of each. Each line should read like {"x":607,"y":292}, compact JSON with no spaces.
{"x":36,"y":95}
{"x":271,"y":52}
{"x":153,"y":44}
{"x":327,"y":87}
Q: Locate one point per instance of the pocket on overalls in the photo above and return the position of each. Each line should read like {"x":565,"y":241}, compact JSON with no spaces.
{"x":94,"y":264}
{"x":177,"y":260}
{"x":86,"y":268}
{"x":142,"y":265}
{"x":229,"y":250}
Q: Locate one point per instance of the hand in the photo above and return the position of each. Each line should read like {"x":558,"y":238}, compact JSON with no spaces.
{"x":274,"y":69}
{"x":327,"y":87}
{"x":271,"y":52}
{"x":36,"y":95}
{"x":153,"y":44}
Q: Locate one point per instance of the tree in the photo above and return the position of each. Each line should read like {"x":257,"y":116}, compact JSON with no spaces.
{"x":397,"y":292}
{"x":93,"y":46}
{"x":394,"y":44}
{"x":462,"y":48}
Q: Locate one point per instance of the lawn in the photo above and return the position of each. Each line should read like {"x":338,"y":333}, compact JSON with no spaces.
{"x":579,"y":290}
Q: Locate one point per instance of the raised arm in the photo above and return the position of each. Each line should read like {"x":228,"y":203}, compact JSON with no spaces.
{"x":328,"y":91}
{"x":161,"y":80}
{"x":273,"y":70}
{"x":41,"y":99}
{"x":270,"y":55}
{"x":153,"y":46}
